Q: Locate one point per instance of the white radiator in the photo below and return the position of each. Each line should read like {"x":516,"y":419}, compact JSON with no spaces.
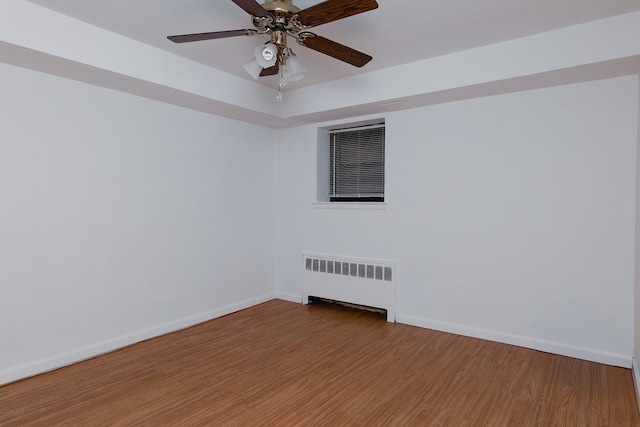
{"x":359,"y":281}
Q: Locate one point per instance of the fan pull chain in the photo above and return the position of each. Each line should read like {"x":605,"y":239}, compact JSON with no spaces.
{"x":281,"y":81}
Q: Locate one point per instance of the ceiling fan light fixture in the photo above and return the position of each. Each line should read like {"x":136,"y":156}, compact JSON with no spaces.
{"x":267,"y":55}
{"x":294,"y":70}
{"x":279,"y":19}
{"x":253,"y":68}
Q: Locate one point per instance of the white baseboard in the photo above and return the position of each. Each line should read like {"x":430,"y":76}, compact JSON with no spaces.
{"x":289,"y":297}
{"x":527,"y":342}
{"x":635,"y":373}
{"x":74,"y":356}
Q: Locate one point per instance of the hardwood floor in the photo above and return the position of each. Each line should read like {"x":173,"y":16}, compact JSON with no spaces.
{"x":284,"y":364}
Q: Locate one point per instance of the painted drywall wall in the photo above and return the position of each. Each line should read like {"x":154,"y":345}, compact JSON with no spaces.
{"x":636,"y":323}
{"x":511,"y":217}
{"x":122,"y":218}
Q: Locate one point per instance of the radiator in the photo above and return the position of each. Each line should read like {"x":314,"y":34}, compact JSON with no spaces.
{"x":359,"y":281}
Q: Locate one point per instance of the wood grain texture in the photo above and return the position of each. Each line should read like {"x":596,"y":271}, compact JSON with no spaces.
{"x":271,"y":71}
{"x":285,"y":364}
{"x":252,"y":7}
{"x":184,"y":38}
{"x":332,"y":10}
{"x":337,"y":50}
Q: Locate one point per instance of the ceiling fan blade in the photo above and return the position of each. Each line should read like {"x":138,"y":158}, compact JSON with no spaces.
{"x":209,"y":36}
{"x":336,"y":50}
{"x":252,"y":7}
{"x":271,"y":71}
{"x":332,"y":10}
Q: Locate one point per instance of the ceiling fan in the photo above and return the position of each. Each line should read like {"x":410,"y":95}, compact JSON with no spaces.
{"x":279,"y":19}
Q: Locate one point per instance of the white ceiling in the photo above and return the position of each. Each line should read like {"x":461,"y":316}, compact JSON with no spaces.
{"x":398,"y":32}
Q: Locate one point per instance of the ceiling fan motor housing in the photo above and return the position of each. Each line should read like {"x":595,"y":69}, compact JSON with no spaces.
{"x":280,"y":6}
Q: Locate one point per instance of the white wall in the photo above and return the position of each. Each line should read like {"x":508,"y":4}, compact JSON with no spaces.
{"x":122,"y":218}
{"x":511,"y":217}
{"x":636,"y":323}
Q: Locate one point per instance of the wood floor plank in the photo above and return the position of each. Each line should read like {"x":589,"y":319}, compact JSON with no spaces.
{"x":284,"y":364}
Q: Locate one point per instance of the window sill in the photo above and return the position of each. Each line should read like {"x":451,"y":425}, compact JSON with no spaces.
{"x":367,"y":206}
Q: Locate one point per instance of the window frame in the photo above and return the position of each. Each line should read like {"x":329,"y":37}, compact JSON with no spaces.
{"x":370,"y":171}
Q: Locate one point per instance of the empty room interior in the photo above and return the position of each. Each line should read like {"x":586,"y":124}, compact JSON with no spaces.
{"x":169,"y":219}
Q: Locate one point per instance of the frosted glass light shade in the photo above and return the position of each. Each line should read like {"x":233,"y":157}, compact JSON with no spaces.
{"x":294,"y":71}
{"x":253,"y":68}
{"x":267,"y":55}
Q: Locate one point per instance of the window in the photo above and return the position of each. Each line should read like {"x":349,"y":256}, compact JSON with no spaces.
{"x":356,"y":164}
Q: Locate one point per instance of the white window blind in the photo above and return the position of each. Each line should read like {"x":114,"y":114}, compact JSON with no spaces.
{"x":357,"y":164}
